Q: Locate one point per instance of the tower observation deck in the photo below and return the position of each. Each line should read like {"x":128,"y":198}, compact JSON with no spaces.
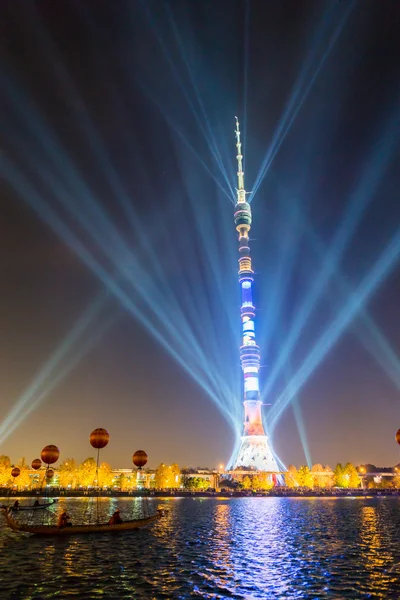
{"x":254,"y":450}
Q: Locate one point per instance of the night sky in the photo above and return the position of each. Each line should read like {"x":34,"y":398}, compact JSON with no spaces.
{"x":118,"y":175}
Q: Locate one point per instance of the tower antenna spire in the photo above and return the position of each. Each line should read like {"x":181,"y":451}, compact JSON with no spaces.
{"x":241,"y":193}
{"x":254,"y":450}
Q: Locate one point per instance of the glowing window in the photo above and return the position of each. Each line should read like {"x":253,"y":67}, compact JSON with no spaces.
{"x":251,"y":384}
{"x":247,"y":299}
{"x":248,"y":341}
{"x":250,"y":370}
{"x":248,"y":325}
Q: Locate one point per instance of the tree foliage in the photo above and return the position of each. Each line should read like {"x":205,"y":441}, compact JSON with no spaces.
{"x":106,"y":476}
{"x":167,"y":476}
{"x":346,"y":476}
{"x":195,"y":483}
{"x":339,"y":476}
{"x":352,"y":475}
{"x":262,"y":481}
{"x":322,"y":476}
{"x":396,"y":481}
{"x":87,"y":473}
{"x":291,"y":477}
{"x":247,"y":483}
{"x":126,"y":482}
{"x":24,"y":479}
{"x":5,"y":470}
{"x":305,"y":477}
{"x":67,"y":473}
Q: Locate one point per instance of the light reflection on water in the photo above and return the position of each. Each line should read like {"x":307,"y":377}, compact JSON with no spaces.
{"x":214,"y":548}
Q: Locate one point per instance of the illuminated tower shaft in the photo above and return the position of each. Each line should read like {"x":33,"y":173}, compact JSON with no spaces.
{"x":254,"y":450}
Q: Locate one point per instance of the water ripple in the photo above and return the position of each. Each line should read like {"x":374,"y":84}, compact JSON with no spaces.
{"x":240,"y":548}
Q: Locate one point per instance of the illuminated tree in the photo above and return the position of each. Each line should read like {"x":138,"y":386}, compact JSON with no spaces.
{"x":5,"y":470}
{"x":87,"y":473}
{"x":125,"y":481}
{"x":396,"y":481}
{"x":319,"y":477}
{"x":291,"y":477}
{"x":323,"y":476}
{"x":67,"y":473}
{"x":196,"y":483}
{"x":106,"y":477}
{"x":167,"y":476}
{"x":247,"y":483}
{"x":305,"y":477}
{"x":24,"y":481}
{"x":122,"y":481}
{"x":161,"y":476}
{"x":341,"y":479}
{"x":262,"y":481}
{"x":329,"y":482}
{"x":350,"y":473}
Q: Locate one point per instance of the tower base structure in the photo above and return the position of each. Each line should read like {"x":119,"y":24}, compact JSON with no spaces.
{"x":255,"y":452}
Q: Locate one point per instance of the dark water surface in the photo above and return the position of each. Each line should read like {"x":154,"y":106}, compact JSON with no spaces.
{"x":215,"y":548}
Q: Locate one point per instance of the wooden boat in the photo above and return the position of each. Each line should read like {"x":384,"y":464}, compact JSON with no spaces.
{"x":33,"y":507}
{"x":80,"y":529}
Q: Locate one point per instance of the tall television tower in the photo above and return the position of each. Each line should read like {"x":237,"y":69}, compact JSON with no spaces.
{"x":254,"y":450}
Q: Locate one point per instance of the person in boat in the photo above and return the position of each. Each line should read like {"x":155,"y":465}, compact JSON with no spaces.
{"x":115,"y":519}
{"x":16,"y":504}
{"x":36,"y":503}
{"x":63,"y":520}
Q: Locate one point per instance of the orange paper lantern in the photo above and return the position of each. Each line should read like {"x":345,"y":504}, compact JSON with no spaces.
{"x":49,"y":474}
{"x":50,"y":454}
{"x":36,"y":464}
{"x":15,"y":472}
{"x":99,"y":438}
{"x":398,"y":436}
{"x":140,"y":458}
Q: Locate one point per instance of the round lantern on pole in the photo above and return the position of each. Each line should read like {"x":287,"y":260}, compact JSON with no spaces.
{"x":99,"y":439}
{"x":50,"y":454}
{"x":398,"y":436}
{"x":36,"y":464}
{"x":15,"y":472}
{"x":49,"y":474}
{"x":140,"y":459}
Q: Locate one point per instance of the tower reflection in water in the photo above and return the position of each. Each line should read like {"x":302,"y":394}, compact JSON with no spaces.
{"x":376,"y":550}
{"x":252,"y":540}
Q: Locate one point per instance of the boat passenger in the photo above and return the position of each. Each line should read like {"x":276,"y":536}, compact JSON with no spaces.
{"x":63,"y":520}
{"x":36,"y":503}
{"x":16,"y":504}
{"x":115,"y":519}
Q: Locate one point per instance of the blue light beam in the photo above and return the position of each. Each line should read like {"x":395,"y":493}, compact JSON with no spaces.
{"x":299,"y":96}
{"x":364,"y":193}
{"x":41,"y":389}
{"x":382,"y":268}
